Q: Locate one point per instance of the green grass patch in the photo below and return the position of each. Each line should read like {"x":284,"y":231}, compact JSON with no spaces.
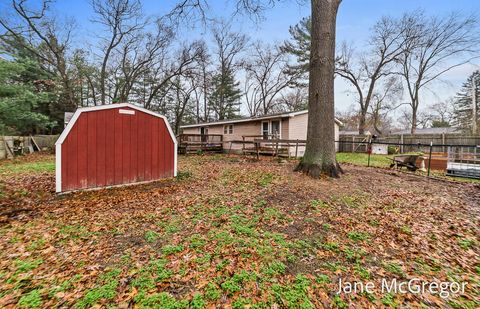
{"x":406,"y":230}
{"x":27,"y":265}
{"x":362,"y":159}
{"x":75,"y":232}
{"x":212,"y":292}
{"x":171,"y":249}
{"x":265,"y":179}
{"x":322,"y":279}
{"x":362,"y":271}
{"x":394,"y":268}
{"x":389,"y":300}
{"x":32,"y":299}
{"x":318,"y":204}
{"x":354,"y":255}
{"x":184,"y":175}
{"x":235,"y":283}
{"x":170,"y":227}
{"x":339,"y":302}
{"x":160,"y":300}
{"x":65,"y":285}
{"x":27,"y":167}
{"x":275,"y":268}
{"x":196,"y":241}
{"x":197,"y":302}
{"x":294,"y":295}
{"x":358,"y":236}
{"x":106,"y":290}
{"x":331,"y":246}
{"x":466,"y":244}
{"x":151,"y":236}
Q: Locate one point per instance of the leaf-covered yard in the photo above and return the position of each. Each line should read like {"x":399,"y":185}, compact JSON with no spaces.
{"x":231,"y":232}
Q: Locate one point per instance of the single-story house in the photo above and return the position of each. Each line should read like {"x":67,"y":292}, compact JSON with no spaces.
{"x":286,"y":126}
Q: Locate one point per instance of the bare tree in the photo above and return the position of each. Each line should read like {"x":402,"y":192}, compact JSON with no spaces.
{"x":139,"y":53}
{"x":295,"y":99}
{"x":386,"y":45}
{"x":423,"y":119}
{"x":182,"y":89}
{"x":320,"y":155}
{"x":266,"y":78}
{"x":440,"y":44}
{"x":349,"y":118}
{"x":228,"y":45}
{"x":383,"y":102}
{"x":121,"y":18}
{"x":161,"y":75}
{"x":203,"y":89}
{"x":442,"y":113}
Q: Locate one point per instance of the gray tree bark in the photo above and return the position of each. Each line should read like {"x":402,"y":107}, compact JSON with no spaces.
{"x":319,"y":157}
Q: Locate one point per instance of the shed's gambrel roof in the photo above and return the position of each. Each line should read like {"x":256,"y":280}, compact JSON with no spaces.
{"x":81,"y":110}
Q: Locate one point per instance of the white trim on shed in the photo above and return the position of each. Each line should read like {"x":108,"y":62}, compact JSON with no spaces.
{"x":73,"y":120}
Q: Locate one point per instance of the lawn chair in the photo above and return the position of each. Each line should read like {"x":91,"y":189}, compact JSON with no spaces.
{"x":407,"y":161}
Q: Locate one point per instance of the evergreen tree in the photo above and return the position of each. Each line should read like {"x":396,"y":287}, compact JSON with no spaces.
{"x":463,"y":103}
{"x":22,"y":99}
{"x":299,"y":47}
{"x":225,"y":98}
{"x":35,"y":72}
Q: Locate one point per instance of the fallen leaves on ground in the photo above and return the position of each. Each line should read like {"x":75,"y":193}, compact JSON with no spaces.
{"x":232,"y":232}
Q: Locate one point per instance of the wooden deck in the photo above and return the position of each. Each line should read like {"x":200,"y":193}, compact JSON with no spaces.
{"x":194,"y":143}
{"x":268,"y":146}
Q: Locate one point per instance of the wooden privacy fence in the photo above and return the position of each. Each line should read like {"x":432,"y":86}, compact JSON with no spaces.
{"x":358,"y":143}
{"x":11,"y":146}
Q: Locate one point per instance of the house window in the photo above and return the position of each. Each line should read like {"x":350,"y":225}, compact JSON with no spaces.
{"x":228,"y":129}
{"x":265,"y":130}
{"x":275,"y":128}
{"x":203,"y":130}
{"x":271,"y":129}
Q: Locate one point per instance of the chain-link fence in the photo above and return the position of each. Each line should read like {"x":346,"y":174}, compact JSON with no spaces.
{"x":445,"y":159}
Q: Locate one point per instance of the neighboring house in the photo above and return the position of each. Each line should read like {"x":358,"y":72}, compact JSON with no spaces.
{"x":445,"y":130}
{"x":67,"y":116}
{"x":287,"y":126}
{"x":354,"y":132}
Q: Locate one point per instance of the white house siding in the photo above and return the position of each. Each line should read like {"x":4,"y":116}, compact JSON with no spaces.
{"x":284,"y":128}
{"x":298,"y":130}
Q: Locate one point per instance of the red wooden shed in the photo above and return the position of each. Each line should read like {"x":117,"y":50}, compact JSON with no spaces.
{"x":112,"y":145}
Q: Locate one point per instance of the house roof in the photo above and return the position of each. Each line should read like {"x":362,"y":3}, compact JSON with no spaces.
{"x":445,"y":130}
{"x":67,"y":117}
{"x":248,"y":119}
{"x":353,"y":132}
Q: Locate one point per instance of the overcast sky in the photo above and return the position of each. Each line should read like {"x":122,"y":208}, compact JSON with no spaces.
{"x":355,"y":18}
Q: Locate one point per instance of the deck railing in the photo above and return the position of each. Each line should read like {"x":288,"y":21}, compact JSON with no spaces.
{"x":190,"y":143}
{"x":204,"y":138}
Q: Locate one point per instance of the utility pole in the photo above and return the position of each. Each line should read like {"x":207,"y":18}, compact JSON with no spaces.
{"x":474,"y":107}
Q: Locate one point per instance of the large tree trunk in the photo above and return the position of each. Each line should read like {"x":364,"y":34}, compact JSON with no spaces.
{"x":319,"y":157}
{"x":362,"y":122}
{"x":414,"y":112}
{"x":414,"y":121}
